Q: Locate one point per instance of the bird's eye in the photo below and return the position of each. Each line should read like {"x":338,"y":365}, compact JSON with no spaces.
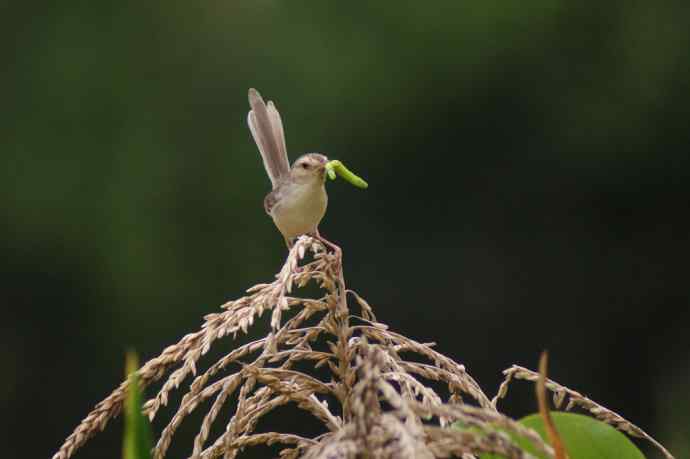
{"x":304,"y":166}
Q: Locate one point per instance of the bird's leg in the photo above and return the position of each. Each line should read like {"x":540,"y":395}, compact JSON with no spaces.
{"x":336,"y":249}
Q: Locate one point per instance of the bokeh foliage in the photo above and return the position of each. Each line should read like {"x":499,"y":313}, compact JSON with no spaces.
{"x":533,"y":158}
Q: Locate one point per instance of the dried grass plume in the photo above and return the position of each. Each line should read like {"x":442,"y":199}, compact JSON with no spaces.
{"x":378,"y":382}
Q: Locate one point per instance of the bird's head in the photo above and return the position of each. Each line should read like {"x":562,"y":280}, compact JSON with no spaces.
{"x":308,"y":168}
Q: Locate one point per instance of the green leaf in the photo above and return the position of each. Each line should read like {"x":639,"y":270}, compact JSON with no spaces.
{"x":138,"y":439}
{"x":584,"y":438}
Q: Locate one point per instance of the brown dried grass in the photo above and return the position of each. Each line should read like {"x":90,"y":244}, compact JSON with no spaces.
{"x":576,"y":399}
{"x":384,"y":407}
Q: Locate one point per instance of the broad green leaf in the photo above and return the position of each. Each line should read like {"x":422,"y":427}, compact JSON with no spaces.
{"x":138,"y":439}
{"x":584,"y":438}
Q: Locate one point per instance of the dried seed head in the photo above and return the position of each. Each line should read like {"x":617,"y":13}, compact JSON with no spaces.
{"x":382,"y":404}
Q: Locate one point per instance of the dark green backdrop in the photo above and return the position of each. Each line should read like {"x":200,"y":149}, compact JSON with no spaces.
{"x":528,"y":168}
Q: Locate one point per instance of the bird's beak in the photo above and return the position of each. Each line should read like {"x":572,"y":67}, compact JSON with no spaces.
{"x":322,"y":170}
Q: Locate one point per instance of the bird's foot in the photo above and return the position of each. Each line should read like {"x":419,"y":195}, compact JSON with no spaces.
{"x":337,"y":251}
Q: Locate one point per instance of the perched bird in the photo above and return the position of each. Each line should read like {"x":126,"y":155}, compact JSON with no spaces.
{"x":298,"y":200}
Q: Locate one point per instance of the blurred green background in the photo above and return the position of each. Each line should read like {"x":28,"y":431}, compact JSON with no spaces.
{"x":528,"y":169}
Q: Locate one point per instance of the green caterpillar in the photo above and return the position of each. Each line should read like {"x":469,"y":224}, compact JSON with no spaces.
{"x":336,"y":167}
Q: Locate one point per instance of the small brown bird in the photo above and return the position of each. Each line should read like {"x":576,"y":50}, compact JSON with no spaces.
{"x":298,"y":201}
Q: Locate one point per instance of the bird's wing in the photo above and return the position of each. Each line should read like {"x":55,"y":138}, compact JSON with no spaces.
{"x":267,"y":129}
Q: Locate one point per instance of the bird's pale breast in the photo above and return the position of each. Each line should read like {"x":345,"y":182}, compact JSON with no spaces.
{"x":299,"y":208}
